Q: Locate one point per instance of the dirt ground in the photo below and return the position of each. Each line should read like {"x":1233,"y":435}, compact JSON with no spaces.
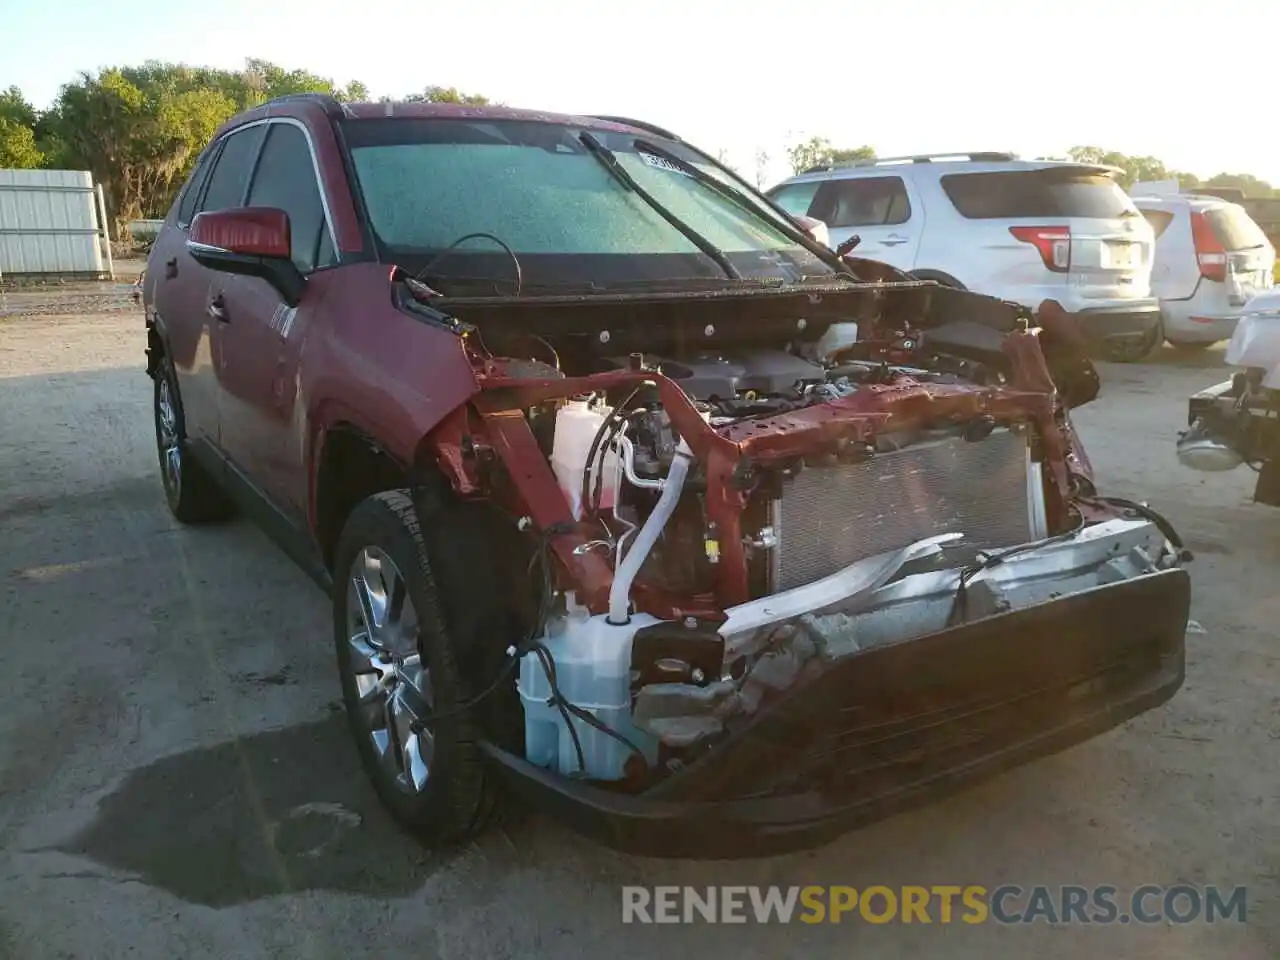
{"x":175,"y":779}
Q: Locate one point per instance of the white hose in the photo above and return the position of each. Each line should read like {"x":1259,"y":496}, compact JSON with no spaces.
{"x":620,"y":591}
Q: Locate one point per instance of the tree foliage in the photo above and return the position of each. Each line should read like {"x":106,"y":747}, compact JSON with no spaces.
{"x":138,"y":129}
{"x":819,"y":152}
{"x":18,"y":148}
{"x":447,"y":95}
{"x":1134,"y":168}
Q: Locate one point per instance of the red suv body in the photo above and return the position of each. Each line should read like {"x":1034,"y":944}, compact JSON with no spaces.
{"x":613,"y":510}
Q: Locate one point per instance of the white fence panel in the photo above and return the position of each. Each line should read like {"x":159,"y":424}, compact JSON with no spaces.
{"x":50,"y":225}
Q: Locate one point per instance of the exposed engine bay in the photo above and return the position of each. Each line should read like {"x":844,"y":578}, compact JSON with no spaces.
{"x":747,"y":509}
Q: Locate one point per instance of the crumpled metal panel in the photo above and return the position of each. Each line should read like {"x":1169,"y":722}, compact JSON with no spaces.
{"x":830,"y":517}
{"x":49,"y":223}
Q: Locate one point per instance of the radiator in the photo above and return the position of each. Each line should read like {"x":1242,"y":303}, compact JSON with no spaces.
{"x":829,"y":517}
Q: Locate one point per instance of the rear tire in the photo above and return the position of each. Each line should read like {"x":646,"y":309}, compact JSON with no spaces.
{"x":192,"y":495}
{"x":399,"y":668}
{"x":1126,"y":351}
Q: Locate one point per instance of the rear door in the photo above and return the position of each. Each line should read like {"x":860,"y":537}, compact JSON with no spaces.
{"x":882,"y":210}
{"x":174,"y":283}
{"x":183,"y":288}
{"x":1064,"y":231}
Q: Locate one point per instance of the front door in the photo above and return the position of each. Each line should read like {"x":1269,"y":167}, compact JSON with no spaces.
{"x":263,"y":426}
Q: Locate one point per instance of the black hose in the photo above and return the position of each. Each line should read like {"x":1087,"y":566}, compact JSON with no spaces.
{"x":960,"y":605}
{"x":1160,"y":521}
{"x":472,"y":236}
{"x":513,"y":653}
{"x":557,"y":700}
{"x":593,"y":450}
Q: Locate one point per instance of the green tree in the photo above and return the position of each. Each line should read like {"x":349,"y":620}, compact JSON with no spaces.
{"x":843,"y":155}
{"x":15,"y":108}
{"x":434,"y":94}
{"x":353,"y":92}
{"x":1251,"y":185}
{"x":818,"y":152}
{"x":18,"y":148}
{"x":1150,"y":168}
{"x":138,"y":129}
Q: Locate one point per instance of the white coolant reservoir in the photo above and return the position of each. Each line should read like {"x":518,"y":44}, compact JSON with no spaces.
{"x":593,"y":672}
{"x":577,"y":423}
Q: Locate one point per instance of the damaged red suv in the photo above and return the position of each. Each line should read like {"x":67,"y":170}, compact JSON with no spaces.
{"x":634,"y":503}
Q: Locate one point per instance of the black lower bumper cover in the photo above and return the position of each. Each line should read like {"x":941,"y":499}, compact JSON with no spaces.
{"x":894,"y":727}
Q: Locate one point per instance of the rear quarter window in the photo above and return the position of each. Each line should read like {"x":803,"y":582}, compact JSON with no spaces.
{"x":191,"y":192}
{"x":230,"y":177}
{"x":1159,"y":220}
{"x":1234,"y":228}
{"x":1015,"y":194}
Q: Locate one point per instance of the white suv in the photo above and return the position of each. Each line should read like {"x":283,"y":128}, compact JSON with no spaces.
{"x":1022,"y":230}
{"x":1210,"y":259}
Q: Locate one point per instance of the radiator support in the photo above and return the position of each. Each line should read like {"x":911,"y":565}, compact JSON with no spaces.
{"x":828,"y":517}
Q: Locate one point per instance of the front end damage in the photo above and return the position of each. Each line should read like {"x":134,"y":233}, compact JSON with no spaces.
{"x":790,"y":582}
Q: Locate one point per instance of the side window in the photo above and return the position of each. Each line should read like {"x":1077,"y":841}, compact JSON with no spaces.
{"x":231,"y":172}
{"x":863,"y":202}
{"x":191,"y":192}
{"x":795,"y":198}
{"x":1159,"y":220}
{"x":286,"y":179}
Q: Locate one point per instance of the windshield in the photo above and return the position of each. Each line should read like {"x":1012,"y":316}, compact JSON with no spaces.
{"x":534,"y":186}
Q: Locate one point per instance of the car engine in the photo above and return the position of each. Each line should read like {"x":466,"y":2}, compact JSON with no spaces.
{"x":806,"y":517}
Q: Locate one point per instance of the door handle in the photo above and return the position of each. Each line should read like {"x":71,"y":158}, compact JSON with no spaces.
{"x":171,"y":268}
{"x":893,"y":240}
{"x":218,"y":309}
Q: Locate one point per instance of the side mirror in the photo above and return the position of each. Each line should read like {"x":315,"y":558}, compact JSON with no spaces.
{"x":815,"y":229}
{"x":250,"y":242}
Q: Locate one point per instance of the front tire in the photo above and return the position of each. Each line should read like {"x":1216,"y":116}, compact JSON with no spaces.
{"x":399,"y":670}
{"x":192,"y":495}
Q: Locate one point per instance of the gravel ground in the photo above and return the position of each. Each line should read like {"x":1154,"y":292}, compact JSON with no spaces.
{"x":175,"y":780}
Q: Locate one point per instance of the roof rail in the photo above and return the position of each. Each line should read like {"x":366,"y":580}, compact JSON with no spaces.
{"x":326,"y":100}
{"x":1230,"y":194}
{"x":638,"y":124}
{"x":980,"y":156}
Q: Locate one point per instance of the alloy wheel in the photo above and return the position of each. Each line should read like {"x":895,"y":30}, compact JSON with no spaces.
{"x":392,"y":682}
{"x":170,"y":444}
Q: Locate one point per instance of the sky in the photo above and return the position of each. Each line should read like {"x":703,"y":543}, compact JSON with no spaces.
{"x":1194,"y":84}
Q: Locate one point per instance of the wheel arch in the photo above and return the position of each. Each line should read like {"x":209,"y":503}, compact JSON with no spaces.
{"x":157,"y":343}
{"x":349,"y":466}
{"x":938,"y":276}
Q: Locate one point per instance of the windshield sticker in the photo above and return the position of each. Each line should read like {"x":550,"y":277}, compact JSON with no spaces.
{"x":662,"y":164}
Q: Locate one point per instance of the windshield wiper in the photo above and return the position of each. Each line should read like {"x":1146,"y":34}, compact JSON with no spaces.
{"x":719,"y":186}
{"x":610,"y":162}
